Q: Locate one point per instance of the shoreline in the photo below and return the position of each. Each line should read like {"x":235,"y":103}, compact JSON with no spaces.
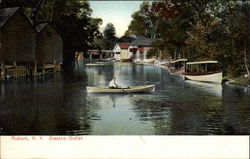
{"x":237,"y":85}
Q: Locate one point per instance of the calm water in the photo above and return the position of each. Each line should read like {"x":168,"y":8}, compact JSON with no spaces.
{"x":59,"y":104}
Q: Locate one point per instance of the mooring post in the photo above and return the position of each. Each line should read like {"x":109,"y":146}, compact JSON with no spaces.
{"x":101,"y":56}
{"x":54,"y":63}
{"x":43,"y":69}
{"x":2,"y":76}
{"x":34,"y":69}
{"x":90,"y":56}
{"x":15,"y":66}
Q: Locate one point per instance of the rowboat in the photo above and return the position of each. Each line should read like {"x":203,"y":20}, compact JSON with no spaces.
{"x":133,"y":89}
{"x":203,"y":71}
{"x":95,"y":64}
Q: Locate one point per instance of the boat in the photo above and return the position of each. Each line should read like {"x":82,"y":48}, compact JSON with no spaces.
{"x":133,"y":89}
{"x":203,"y":71}
{"x":177,"y":67}
{"x":95,"y":64}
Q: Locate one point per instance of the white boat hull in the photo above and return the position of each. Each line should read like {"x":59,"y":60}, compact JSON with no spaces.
{"x":135,"y":89}
{"x":177,"y":73}
{"x":211,"y":78}
{"x":95,"y":64}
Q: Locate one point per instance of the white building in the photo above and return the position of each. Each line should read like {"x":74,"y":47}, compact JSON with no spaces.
{"x":121,"y":51}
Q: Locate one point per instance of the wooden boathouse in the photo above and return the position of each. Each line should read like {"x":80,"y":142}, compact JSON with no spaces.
{"x":17,"y":43}
{"x":140,"y":48}
{"x":49,"y":49}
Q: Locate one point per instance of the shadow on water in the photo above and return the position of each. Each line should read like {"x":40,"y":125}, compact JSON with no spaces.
{"x":51,"y":105}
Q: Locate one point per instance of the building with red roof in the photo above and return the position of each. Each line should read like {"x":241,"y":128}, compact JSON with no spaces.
{"x":121,"y":51}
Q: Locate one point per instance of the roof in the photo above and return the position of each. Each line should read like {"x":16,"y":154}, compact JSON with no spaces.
{"x":179,"y":60}
{"x":141,"y":50}
{"x":124,"y":45}
{"x":6,"y":14}
{"x":201,"y":62}
{"x":41,"y":26}
{"x":142,"y":41}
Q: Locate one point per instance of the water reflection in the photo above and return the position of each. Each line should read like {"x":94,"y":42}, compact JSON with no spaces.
{"x":60,"y":104}
{"x":211,"y":88}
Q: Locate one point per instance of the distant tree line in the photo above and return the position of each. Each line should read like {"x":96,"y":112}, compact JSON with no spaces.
{"x":109,"y":39}
{"x":198,"y":30}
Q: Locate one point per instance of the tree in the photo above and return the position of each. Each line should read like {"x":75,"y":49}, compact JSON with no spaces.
{"x":109,"y":36}
{"x":141,"y":24}
{"x":235,"y":21}
{"x":170,"y":27}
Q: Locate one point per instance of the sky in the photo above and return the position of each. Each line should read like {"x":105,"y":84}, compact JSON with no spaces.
{"x":116,"y":12}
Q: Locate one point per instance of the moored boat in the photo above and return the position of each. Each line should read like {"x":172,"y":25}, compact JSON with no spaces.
{"x":133,"y":89}
{"x":95,"y":64}
{"x":177,"y":67}
{"x":204,"y":71}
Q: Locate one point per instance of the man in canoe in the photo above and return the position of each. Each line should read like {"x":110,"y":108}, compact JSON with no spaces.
{"x":114,"y":85}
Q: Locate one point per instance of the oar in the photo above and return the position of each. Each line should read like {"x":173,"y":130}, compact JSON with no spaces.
{"x":126,"y":91}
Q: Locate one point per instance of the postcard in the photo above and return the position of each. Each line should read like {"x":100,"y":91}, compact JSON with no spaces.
{"x":124,"y":79}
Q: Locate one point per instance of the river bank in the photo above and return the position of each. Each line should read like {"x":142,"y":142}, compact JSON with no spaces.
{"x":240,"y":82}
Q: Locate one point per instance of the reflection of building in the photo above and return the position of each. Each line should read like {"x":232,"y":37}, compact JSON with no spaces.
{"x":49,"y":47}
{"x":140,"y":48}
{"x":17,"y":43}
{"x":122,"y":52}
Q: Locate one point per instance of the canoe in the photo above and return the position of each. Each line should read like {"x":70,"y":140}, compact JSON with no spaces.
{"x":210,"y":78}
{"x":133,"y":89}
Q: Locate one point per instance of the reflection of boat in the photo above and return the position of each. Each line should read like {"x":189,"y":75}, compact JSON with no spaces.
{"x":177,"y":67}
{"x":204,"y":71}
{"x":212,"y":88}
{"x":133,"y":89}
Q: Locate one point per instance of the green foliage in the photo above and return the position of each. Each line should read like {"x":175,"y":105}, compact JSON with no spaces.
{"x":98,"y":43}
{"x":141,"y":24}
{"x":109,"y":36}
{"x":153,"y":53}
{"x":198,"y":30}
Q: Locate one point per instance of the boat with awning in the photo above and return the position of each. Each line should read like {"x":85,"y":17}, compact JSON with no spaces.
{"x":203,"y":71}
{"x":177,"y":67}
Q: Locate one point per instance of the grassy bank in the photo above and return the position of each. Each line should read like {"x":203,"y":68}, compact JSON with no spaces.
{"x":241,"y":80}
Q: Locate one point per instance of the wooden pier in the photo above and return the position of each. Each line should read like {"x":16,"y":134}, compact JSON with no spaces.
{"x":25,"y":71}
{"x":46,"y":69}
